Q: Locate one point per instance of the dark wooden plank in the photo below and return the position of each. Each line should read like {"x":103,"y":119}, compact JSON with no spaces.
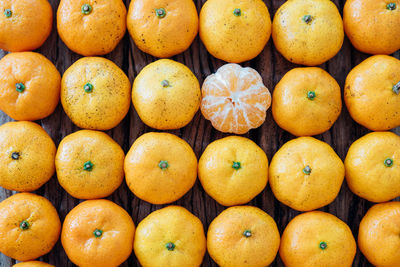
{"x":199,"y":133}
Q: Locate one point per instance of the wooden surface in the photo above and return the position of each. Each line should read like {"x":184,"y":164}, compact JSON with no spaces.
{"x":199,"y":133}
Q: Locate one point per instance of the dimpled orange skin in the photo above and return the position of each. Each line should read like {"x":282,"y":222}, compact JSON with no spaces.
{"x":235,"y":38}
{"x":33,"y":264}
{"x":112,"y":248}
{"x":148,"y":180}
{"x":34,"y":164}
{"x":163,"y":36}
{"x":298,"y":190}
{"x":107,"y":104}
{"x":371,"y":27}
{"x":366,"y":173}
{"x":299,"y":114}
{"x":310,"y":43}
{"x":172,"y":224}
{"x":228,"y":245}
{"x":369,"y":94}
{"x":43,"y":226}
{"x":378,"y":236}
{"x":28,"y":26}
{"x":169,"y":106}
{"x":301,"y":241}
{"x":103,"y":177}
{"x":228,"y":185}
{"x":93,"y":34}
{"x":42,"y":86}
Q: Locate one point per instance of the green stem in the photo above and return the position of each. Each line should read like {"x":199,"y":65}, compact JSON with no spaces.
{"x":307,"y":170}
{"x":307,"y":19}
{"x":20,"y":87}
{"x":88,"y":166}
{"x":163,"y":164}
{"x":388,"y":162}
{"x":165,"y":83}
{"x":86,"y":9}
{"x":323,"y":245}
{"x":311,"y":95}
{"x":247,"y":233}
{"x":237,"y":12}
{"x":24,"y":225}
{"x":170,"y":246}
{"x":8,"y":13}
{"x":236,"y":165}
{"x":15,"y":155}
{"x":161,"y":13}
{"x":391,"y":6}
{"x":97,"y":233}
{"x":88,"y":88}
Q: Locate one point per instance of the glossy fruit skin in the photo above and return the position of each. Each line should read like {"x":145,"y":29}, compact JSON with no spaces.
{"x":235,"y":38}
{"x":36,"y":73}
{"x":235,"y":99}
{"x":36,"y":150}
{"x":167,"y":36}
{"x":378,"y":236}
{"x":169,"y":106}
{"x":171,"y":224}
{"x":93,"y":34}
{"x":369,"y":95}
{"x":366,"y":173}
{"x":227,"y":185}
{"x":144,"y":175}
{"x":28,"y":27}
{"x":301,"y":241}
{"x":44,"y":226}
{"x":112,"y":248}
{"x":310,"y":43}
{"x":299,"y":114}
{"x":33,"y":264}
{"x":298,"y":190}
{"x":371,"y":27}
{"x":107,"y":157}
{"x":106,"y":105}
{"x":229,"y":247}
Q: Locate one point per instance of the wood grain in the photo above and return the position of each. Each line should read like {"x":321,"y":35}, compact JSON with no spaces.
{"x":199,"y":133}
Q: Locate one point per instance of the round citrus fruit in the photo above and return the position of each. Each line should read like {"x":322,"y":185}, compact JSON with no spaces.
{"x":317,"y":239}
{"x":306,"y":174}
{"x":373,"y":166}
{"x":172,"y":237}
{"x":95,"y":93}
{"x":98,"y":233}
{"x":235,"y":30}
{"x":24,"y":25}
{"x":306,"y":101}
{"x":29,"y":226}
{"x":378,"y":236}
{"x":29,"y":86}
{"x":166,"y":95}
{"x":160,"y":168}
{"x":32,"y":264}
{"x":243,"y":236}
{"x":308,"y":32}
{"x":27,"y":155}
{"x":163,"y":28}
{"x":233,"y":170}
{"x":89,"y":164}
{"x":91,"y":28}
{"x":373,"y":25}
{"x":372,"y":93}
{"x":235,"y":99}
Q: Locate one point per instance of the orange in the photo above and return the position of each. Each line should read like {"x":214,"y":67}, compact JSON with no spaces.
{"x":306,"y":174}
{"x":235,"y":30}
{"x":27,"y":155}
{"x":172,"y":237}
{"x":95,"y":93}
{"x":166,"y":95}
{"x":306,"y":101}
{"x":317,"y":239}
{"x":233,"y":170}
{"x":91,"y":27}
{"x":163,"y":28}
{"x":160,"y":168}
{"x":32,"y":264}
{"x":373,"y":25}
{"x":235,"y":99}
{"x":89,"y":164}
{"x":308,"y":32}
{"x":243,"y":236}
{"x":372,"y":93}
{"x":29,"y":86}
{"x":378,"y":236}
{"x":98,"y":233}
{"x":373,"y":166}
{"x":24,"y":25}
{"x":29,"y":226}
